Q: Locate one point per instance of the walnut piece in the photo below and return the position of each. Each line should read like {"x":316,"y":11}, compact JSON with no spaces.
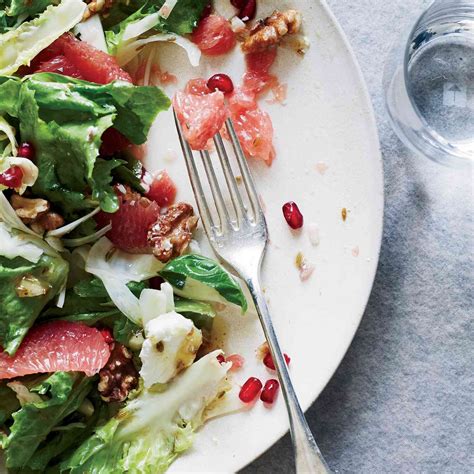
{"x":96,"y":6}
{"x":50,"y":221}
{"x":28,"y":209}
{"x":269,"y":32}
{"x":172,"y":232}
{"x":119,"y":376}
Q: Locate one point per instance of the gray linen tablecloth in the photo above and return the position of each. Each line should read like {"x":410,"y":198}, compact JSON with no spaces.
{"x":402,"y":399}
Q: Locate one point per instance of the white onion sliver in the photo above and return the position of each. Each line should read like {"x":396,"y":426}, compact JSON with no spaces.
{"x":18,"y":246}
{"x":61,"y":298}
{"x":105,"y":258}
{"x":88,"y":239}
{"x":65,"y":229}
{"x":122,"y":297}
{"x":167,"y":8}
{"x":313,"y":234}
{"x":128,"y":51}
{"x":92,"y":32}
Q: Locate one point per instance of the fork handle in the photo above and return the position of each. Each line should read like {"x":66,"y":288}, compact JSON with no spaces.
{"x":308,"y":457}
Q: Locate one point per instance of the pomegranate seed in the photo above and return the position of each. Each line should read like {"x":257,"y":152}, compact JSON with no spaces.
{"x":250,"y":390}
{"x":236,"y":360}
{"x":247,"y":12}
{"x":156,"y":282}
{"x":26,"y":150}
{"x":107,"y":335}
{"x":269,"y":391}
{"x":268,"y":361}
{"x":221,"y":359}
{"x":11,"y":177}
{"x":207,"y":10}
{"x":292,"y":215}
{"x":221,"y":82}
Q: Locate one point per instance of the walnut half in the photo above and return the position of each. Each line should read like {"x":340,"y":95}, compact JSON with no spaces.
{"x":119,"y":376}
{"x":28,"y":209}
{"x":171,"y":233}
{"x":269,"y":32}
{"x":36,"y":212}
{"x":97,"y":6}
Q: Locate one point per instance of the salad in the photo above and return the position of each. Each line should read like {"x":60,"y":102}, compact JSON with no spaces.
{"x":106,"y":304}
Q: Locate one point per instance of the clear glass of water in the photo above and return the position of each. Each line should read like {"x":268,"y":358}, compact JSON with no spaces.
{"x":429,"y":85}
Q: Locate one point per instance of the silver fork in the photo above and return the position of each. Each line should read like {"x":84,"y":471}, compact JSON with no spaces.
{"x":240,"y":242}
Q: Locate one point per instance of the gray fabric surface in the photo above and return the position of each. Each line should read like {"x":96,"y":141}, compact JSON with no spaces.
{"x":402,"y":399}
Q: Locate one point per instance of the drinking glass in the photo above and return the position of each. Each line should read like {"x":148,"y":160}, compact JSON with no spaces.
{"x":429,"y":84}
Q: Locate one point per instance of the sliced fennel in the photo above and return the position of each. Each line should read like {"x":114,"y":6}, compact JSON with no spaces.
{"x":104,"y":258}
{"x":9,"y":218}
{"x":91,"y":32}
{"x":19,"y":46}
{"x":88,"y":239}
{"x":167,"y":8}
{"x":125,"y":53}
{"x":65,"y":229}
{"x":17,"y":244}
{"x":117,"y":268}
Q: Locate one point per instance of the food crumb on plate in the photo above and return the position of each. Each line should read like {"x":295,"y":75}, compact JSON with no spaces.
{"x":313,"y":234}
{"x":321,"y":167}
{"x":305,"y":268}
{"x":344,"y":214}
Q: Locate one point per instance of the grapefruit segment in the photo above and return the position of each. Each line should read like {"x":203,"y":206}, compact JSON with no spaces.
{"x":57,"y":346}
{"x":162,"y":190}
{"x":201,"y":115}
{"x":131,"y":222}
{"x":214,"y":35}
{"x":67,"y":54}
{"x":252,"y":125}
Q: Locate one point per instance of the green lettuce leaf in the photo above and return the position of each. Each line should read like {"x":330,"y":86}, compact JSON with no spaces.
{"x":200,"y":278}
{"x":62,"y":394}
{"x":16,"y":8}
{"x":8,"y":403}
{"x":183,"y":18}
{"x":88,"y":302}
{"x":201,"y":314}
{"x":18,"y":46}
{"x":17,"y":314}
{"x":64,"y":119}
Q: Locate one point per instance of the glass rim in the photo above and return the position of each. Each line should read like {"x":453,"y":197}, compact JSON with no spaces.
{"x":433,"y":135}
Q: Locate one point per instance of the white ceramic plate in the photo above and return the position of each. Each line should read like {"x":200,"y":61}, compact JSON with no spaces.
{"x":328,"y":119}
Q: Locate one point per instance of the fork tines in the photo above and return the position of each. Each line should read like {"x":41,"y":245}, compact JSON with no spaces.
{"x":252,"y":214}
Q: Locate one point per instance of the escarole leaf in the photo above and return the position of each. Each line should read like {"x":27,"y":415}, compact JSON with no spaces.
{"x":200,"y":278}
{"x":62,"y":394}
{"x":149,"y":433}
{"x":65,"y":118}
{"x":20,"y":45}
{"x":25,"y":288}
{"x":8,"y":403}
{"x":201,"y":314}
{"x":28,"y":8}
{"x":88,"y":302}
{"x":148,"y":24}
{"x":182,"y":20}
